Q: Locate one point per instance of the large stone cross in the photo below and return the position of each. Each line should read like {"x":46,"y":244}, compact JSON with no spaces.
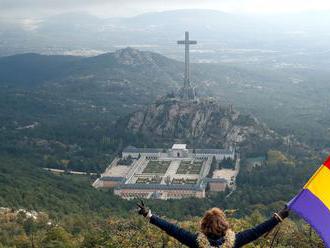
{"x":187,"y":43}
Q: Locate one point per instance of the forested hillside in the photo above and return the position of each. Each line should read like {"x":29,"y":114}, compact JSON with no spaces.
{"x":89,"y":231}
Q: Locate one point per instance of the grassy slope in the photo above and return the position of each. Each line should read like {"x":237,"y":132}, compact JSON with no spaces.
{"x":24,"y":185}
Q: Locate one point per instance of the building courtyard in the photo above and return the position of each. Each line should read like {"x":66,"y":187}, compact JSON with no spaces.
{"x":174,"y":173}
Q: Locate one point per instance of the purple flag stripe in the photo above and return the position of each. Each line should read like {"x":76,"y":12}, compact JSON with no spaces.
{"x":309,"y":207}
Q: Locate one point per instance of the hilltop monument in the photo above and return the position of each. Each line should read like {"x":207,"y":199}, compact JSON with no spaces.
{"x":187,"y":92}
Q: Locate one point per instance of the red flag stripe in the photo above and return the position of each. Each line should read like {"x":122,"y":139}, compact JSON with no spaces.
{"x":327,"y":163}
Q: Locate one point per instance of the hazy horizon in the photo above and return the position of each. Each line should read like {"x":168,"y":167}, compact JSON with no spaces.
{"x":36,"y":9}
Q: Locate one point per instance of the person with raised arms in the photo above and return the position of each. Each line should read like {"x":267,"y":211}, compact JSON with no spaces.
{"x":215,"y":230}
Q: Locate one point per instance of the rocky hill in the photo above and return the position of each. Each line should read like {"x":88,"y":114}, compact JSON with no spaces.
{"x":128,"y":64}
{"x":114,"y":83}
{"x":203,"y":122}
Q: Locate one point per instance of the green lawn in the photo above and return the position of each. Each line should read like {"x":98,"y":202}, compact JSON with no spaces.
{"x":186,"y":167}
{"x":154,"y":166}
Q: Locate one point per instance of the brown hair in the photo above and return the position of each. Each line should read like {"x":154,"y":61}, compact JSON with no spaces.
{"x":214,"y":223}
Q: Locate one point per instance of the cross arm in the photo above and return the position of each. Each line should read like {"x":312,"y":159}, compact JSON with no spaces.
{"x":190,"y":42}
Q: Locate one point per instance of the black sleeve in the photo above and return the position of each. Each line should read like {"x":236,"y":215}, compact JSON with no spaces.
{"x":183,"y":236}
{"x":252,"y":234}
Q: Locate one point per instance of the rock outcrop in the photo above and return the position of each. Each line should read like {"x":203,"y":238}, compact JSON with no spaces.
{"x":202,"y":122}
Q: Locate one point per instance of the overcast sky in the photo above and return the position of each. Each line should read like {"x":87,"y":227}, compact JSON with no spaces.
{"x":110,"y":8}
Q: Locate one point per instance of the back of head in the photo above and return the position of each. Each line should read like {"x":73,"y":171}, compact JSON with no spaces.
{"x":214,"y":223}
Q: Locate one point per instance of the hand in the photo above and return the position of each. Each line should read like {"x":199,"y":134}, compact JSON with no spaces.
{"x":143,"y":210}
{"x":284,"y":213}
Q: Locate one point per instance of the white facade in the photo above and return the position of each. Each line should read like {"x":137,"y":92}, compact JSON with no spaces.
{"x":218,"y":157}
{"x":179,"y":147}
{"x":148,"y":155}
{"x":178,"y":151}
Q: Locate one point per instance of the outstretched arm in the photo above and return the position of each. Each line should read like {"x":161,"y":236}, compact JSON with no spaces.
{"x":182,"y":235}
{"x":185,"y":237}
{"x":252,"y":234}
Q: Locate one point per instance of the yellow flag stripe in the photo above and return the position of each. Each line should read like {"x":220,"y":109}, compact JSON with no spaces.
{"x":319,"y":185}
{"x":313,"y":177}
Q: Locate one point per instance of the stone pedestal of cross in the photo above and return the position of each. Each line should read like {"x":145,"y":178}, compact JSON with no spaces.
{"x":187,"y":91}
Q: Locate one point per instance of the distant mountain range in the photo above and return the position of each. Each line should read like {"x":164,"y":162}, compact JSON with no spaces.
{"x":36,"y":69}
{"x":83,"y":33}
{"x":114,"y":84}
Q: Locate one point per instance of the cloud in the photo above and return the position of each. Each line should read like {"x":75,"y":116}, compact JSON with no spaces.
{"x":275,"y":6}
{"x":40,"y":8}
{"x":35,"y":8}
{"x":14,"y":4}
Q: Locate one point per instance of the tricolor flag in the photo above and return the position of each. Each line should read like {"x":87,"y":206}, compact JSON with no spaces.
{"x":313,"y":202}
